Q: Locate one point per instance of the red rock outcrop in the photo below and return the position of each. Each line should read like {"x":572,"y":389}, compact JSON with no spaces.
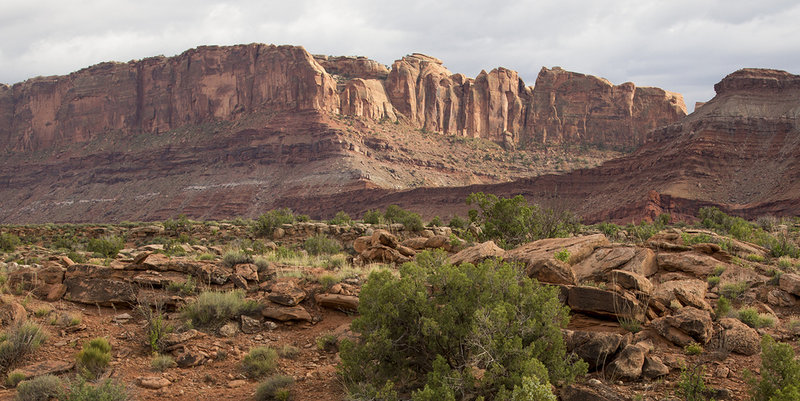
{"x":159,"y":94}
{"x":740,"y":151}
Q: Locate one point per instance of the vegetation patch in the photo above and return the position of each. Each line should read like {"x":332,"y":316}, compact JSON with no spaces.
{"x":259,"y":362}
{"x":212,"y":308}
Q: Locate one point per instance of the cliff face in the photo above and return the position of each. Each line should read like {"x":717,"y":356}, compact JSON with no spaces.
{"x":224,"y":83}
{"x":160,"y":94}
{"x":740,"y":151}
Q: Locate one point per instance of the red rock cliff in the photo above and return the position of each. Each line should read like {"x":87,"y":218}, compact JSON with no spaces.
{"x":222,"y":83}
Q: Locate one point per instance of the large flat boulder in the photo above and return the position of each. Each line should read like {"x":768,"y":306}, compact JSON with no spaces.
{"x":790,"y":283}
{"x":601,"y":302}
{"x":740,"y":338}
{"x":665,"y":292}
{"x":602,"y":261}
{"x":478,"y":253}
{"x":101,"y":285}
{"x":594,"y":347}
{"x":687,"y":326}
{"x":628,"y":364}
{"x":696,"y":264}
{"x":540,"y":262}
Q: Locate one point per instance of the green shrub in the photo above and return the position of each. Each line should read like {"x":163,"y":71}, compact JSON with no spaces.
{"x":713,"y":280}
{"x":785,"y":263}
{"x":20,"y":340}
{"x":157,"y":327}
{"x":108,"y":390}
{"x":41,"y":388}
{"x":436,"y":221}
{"x":321,"y":245}
{"x":642,"y":232}
{"x":259,"y":362}
{"x":425,"y":328}
{"x":718,"y":271}
{"x":610,"y":230}
{"x":328,"y":342}
{"x":341,"y":218}
{"x":723,"y":307}
{"x":8,"y":242}
{"x":236,"y":256}
{"x":302,"y":218}
{"x":212,"y":309}
{"x":108,"y":247}
{"x":161,"y":363}
{"x":288,"y":351}
{"x":754,"y":258}
{"x":175,"y":227}
{"x":327,"y":281}
{"x":692,"y":239}
{"x":188,"y":287}
{"x":693,"y":349}
{"x":691,"y":386}
{"x":459,"y":223}
{"x":372,"y":217}
{"x":562,"y":255}
{"x":266,"y":224}
{"x":780,"y":372}
{"x":750,"y":317}
{"x":274,"y":388}
{"x":410,"y":220}
{"x":76,"y":257}
{"x":734,"y":290}
{"x":14,"y":377}
{"x":206,"y":256}
{"x":94,"y":358}
{"x":511,"y":222}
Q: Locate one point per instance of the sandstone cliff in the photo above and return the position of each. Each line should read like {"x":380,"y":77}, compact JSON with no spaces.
{"x":215,"y":83}
{"x":740,"y":151}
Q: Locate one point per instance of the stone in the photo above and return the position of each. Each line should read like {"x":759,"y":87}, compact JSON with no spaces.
{"x":338,"y":302}
{"x":247,"y":271}
{"x":594,"y":390}
{"x":190,"y":358}
{"x":695,"y":264}
{"x":778,"y":297}
{"x":416,"y":243}
{"x":438,"y":241}
{"x":47,"y":367}
{"x":383,"y":237}
{"x":239,"y":282}
{"x":596,"y":348}
{"x":382,"y":254}
{"x":11,"y":312}
{"x":739,"y":338}
{"x":689,"y":288}
{"x":285,"y":313}
{"x":600,"y":302}
{"x":539,"y":256}
{"x":122,"y":318}
{"x":477,"y":253}
{"x":173,"y":339}
{"x":406,"y":251}
{"x":361,"y":244}
{"x":236,"y":383}
{"x":688,"y":325}
{"x":229,"y":329}
{"x":100,"y":285}
{"x":790,"y":282}
{"x":250,"y":325}
{"x":286,"y":293}
{"x":631,"y":281}
{"x":627,"y":365}
{"x":45,"y":283}
{"x":602,"y":261}
{"x":654,"y":368}
{"x":153,"y":382}
{"x":686,"y":296}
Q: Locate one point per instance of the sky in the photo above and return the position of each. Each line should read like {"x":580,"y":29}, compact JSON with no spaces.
{"x":684,"y":46}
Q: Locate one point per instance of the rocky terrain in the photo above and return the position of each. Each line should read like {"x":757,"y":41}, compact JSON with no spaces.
{"x":218,"y":132}
{"x":739,"y":151}
{"x":642,"y":311}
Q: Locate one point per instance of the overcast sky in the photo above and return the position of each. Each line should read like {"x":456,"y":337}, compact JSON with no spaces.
{"x":680,"y":45}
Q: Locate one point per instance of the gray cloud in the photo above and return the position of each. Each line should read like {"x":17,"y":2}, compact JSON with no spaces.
{"x":681,"y":45}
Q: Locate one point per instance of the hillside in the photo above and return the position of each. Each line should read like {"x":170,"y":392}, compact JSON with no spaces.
{"x":218,"y":132}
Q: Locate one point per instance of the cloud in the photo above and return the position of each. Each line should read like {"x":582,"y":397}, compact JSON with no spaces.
{"x":680,"y":45}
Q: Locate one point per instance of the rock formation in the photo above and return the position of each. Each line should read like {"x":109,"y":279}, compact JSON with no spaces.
{"x":214,"y":83}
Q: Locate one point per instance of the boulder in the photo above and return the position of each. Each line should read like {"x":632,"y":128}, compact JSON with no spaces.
{"x":665,"y":292}
{"x":593,"y":390}
{"x":695,"y":264}
{"x":688,"y":325}
{"x":382,"y":254}
{"x":48,"y":367}
{"x":790,"y":282}
{"x":44,"y":283}
{"x":100,"y":285}
{"x":654,"y":367}
{"x":247,"y":271}
{"x":603,"y":260}
{"x":417,"y":243}
{"x":361,"y":244}
{"x":631,"y":281}
{"x":285,"y":313}
{"x":191,"y":357}
{"x":477,"y":253}
{"x":286,"y":293}
{"x":540,"y":262}
{"x":250,"y":325}
{"x":229,"y":329}
{"x":600,"y":302}
{"x":406,"y":251}
{"x":739,"y":338}
{"x":338,"y":302}
{"x":596,"y":348}
{"x":383,"y":237}
{"x":778,"y":297}
{"x":438,"y":241}
{"x":628,"y":364}
{"x":153,"y":382}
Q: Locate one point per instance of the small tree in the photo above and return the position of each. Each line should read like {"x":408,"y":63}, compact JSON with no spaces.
{"x":268,"y":222}
{"x":430,"y":329}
